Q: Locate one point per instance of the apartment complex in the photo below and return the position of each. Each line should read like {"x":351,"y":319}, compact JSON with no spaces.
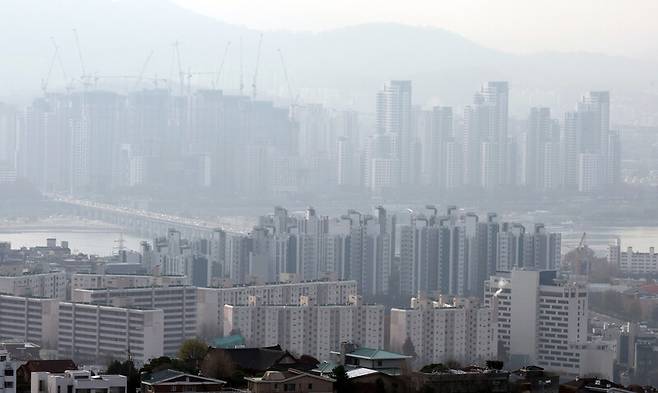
{"x":304,"y":328}
{"x":178,"y":304}
{"x":211,"y":301}
{"x":439,"y":332}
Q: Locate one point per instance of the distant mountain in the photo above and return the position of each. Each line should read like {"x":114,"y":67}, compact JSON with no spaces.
{"x":341,"y":66}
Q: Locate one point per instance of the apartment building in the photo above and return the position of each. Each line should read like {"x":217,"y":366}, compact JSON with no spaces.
{"x":95,"y":333}
{"x":211,"y":301}
{"x":178,"y":304}
{"x":441,"y":331}
{"x":115,"y":281}
{"x":305,"y":328}
{"x":540,"y":319}
{"x":633,"y":262}
{"x":29,"y":319}
{"x":43,"y":285}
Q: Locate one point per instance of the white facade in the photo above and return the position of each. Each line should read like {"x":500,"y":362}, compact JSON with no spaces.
{"x":95,"y":333}
{"x":307,"y":329}
{"x":178,"y":304}
{"x":211,"y":301}
{"x":113,"y":281}
{"x":539,"y":319}
{"x":44,"y":285}
{"x":7,"y":373}
{"x":443,"y":332}
{"x":77,"y":381}
{"x":29,"y":319}
{"x":633,"y":262}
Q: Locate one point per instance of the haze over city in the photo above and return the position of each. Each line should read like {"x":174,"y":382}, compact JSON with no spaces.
{"x":312,"y":196}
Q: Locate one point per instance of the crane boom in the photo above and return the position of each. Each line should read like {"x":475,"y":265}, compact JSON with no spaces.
{"x":44,"y":82}
{"x":253,"y":82}
{"x":285,"y":75}
{"x":221,"y":65}
{"x":141,"y":74}
{"x":82,"y":62}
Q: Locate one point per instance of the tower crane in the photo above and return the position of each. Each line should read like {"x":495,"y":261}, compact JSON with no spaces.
{"x":221,"y":65}
{"x":293,"y":100}
{"x":85,"y":78}
{"x":46,"y":80}
{"x":141,"y":73}
{"x":253,"y":82}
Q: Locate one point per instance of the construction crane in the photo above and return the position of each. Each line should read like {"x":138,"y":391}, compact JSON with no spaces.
{"x":141,"y":73}
{"x":180,"y":67}
{"x":241,"y":70}
{"x":293,"y":100}
{"x":253,"y":82}
{"x":85,"y":78}
{"x":221,"y":65}
{"x":46,"y":80}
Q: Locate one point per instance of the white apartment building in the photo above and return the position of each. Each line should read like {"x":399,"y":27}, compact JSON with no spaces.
{"x":29,"y":319}
{"x":178,"y":303}
{"x":77,"y":381}
{"x":43,"y":285}
{"x":95,"y":333}
{"x":8,"y":369}
{"x":113,"y":281}
{"x":211,"y":301}
{"x":540,"y":320}
{"x":440,"y":332}
{"x":314,"y":330}
{"x":632,"y":262}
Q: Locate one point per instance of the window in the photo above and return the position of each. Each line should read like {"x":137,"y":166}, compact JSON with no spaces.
{"x":310,"y":386}
{"x":9,"y":372}
{"x":379,"y":363}
{"x":9,"y":385}
{"x":69,"y":389}
{"x":289,"y":387}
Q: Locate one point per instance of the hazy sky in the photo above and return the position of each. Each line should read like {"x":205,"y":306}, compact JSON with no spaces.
{"x":626,"y":27}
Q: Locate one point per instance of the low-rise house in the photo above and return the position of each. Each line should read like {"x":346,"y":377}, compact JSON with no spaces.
{"x":177,"y":381}
{"x":351,"y":356}
{"x":534,"y":379}
{"x":24,"y":372}
{"x":77,"y":381}
{"x":441,"y":379}
{"x":223,"y":362}
{"x":290,"y":381}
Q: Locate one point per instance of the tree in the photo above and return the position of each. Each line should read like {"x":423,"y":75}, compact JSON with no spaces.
{"x":128,"y":370}
{"x":192,"y":352}
{"x":343,"y":383}
{"x":379,"y":386}
{"x":408,"y":347}
{"x":164,"y":363}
